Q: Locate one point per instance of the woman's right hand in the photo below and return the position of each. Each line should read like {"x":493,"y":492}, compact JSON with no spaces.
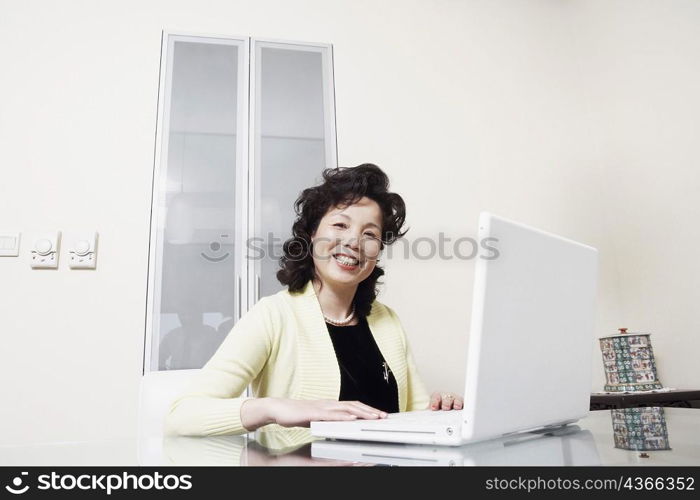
{"x":296,"y":412}
{"x":299,"y":413}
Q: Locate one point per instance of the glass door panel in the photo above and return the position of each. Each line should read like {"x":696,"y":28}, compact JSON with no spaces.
{"x":293,"y":141}
{"x":195,"y":292}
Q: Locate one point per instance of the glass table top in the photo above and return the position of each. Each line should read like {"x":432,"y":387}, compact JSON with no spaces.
{"x":639,"y":436}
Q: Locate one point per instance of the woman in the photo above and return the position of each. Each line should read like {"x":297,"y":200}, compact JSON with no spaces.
{"x":324,"y":348}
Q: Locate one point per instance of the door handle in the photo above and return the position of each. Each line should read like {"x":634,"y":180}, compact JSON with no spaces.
{"x":239,"y":298}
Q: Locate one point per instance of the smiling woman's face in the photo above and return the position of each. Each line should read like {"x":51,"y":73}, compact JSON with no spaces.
{"x":347,"y":243}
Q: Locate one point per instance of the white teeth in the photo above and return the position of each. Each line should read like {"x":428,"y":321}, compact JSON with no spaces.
{"x":348,"y":261}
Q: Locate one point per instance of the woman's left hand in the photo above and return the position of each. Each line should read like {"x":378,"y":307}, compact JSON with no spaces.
{"x":446,"y":401}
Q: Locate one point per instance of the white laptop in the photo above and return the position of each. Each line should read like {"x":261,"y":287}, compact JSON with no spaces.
{"x":565,"y":446}
{"x":530,"y":346}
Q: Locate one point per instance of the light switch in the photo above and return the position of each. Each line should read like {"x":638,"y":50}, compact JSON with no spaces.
{"x":9,"y":244}
{"x":82,"y":251}
{"x":45,"y":252}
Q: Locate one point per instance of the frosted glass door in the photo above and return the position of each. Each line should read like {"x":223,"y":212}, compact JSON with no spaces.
{"x":293,"y":141}
{"x":195,"y":290}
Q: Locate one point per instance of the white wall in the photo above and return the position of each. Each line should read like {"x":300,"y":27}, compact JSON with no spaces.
{"x":485,"y":112}
{"x":641,"y":78}
{"x":519,"y":107}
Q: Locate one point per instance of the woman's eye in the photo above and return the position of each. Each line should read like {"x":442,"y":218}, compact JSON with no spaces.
{"x":372,"y":235}
{"x":339,"y":224}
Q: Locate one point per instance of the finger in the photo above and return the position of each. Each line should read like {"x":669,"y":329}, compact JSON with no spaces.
{"x":447,"y":403}
{"x":359,"y":404}
{"x":459,"y":403}
{"x":332,"y":415}
{"x":435,"y":401}
{"x":359,"y":409}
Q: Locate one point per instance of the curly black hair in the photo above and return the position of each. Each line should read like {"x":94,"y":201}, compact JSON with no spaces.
{"x":341,"y":187}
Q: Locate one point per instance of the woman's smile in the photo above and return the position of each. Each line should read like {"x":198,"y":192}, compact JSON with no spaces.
{"x":346,"y":262}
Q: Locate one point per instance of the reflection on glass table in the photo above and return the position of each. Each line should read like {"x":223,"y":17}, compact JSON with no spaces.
{"x":565,"y":446}
{"x":590,"y":442}
{"x":641,"y":429}
{"x":296,"y":447}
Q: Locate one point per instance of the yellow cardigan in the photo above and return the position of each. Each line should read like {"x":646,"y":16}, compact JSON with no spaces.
{"x":281,"y":347}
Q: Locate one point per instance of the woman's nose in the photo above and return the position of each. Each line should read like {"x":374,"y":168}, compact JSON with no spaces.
{"x":352,"y":241}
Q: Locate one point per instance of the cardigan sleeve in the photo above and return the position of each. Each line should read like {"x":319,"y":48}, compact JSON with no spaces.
{"x":210,"y":406}
{"x":417,"y":397}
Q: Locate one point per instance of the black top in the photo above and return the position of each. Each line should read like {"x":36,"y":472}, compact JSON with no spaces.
{"x":364,"y":374}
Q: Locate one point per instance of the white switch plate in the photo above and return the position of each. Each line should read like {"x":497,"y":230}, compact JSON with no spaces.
{"x":82,"y":251}
{"x":9,"y":244}
{"x":45,"y":251}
